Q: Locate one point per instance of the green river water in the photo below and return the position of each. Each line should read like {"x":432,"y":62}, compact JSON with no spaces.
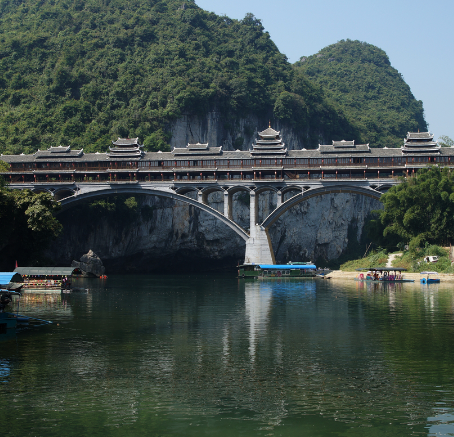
{"x":217,"y":356}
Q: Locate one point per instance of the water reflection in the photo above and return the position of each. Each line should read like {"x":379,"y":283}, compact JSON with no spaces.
{"x":4,"y":370}
{"x":441,"y":423}
{"x":204,"y":356}
{"x":257,"y":307}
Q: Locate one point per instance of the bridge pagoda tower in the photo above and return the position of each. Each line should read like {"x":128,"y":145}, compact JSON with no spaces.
{"x":259,"y":250}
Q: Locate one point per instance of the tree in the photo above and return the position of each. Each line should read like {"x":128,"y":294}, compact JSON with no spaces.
{"x":4,"y":167}
{"x":421,"y":207}
{"x":445,"y":141}
{"x":27,"y":225}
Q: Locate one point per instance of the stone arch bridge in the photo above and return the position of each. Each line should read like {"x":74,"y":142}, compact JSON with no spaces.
{"x":258,"y":244}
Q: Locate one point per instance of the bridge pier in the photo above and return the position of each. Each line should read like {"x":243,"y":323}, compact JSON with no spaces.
{"x":279,"y":199}
{"x":227,"y":205}
{"x":258,"y":248}
{"x":253,"y":213}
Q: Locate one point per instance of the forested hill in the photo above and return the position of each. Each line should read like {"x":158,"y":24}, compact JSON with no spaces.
{"x":83,"y":72}
{"x":359,"y":77}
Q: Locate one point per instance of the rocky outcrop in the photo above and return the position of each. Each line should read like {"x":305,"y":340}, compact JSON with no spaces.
{"x":90,"y":264}
{"x":211,"y":128}
{"x":175,"y":237}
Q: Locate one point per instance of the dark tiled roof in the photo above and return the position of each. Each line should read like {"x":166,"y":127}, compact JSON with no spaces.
{"x":421,"y":144}
{"x":127,"y":142}
{"x":268,"y":132}
{"x":59,"y":149}
{"x":344,"y":143}
{"x":344,"y":149}
{"x":195,"y":152}
{"x":419,"y":135}
{"x":197,"y":146}
{"x":51,"y":154}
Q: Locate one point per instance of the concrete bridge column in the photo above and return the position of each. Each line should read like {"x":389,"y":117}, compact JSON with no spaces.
{"x":253,"y":212}
{"x":279,"y":199}
{"x":227,"y":205}
{"x":200,"y":197}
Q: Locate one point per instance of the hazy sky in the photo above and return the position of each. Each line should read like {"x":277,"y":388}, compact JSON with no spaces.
{"x":417,"y":36}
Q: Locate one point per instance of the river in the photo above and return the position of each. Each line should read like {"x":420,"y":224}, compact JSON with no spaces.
{"x":213,"y":355}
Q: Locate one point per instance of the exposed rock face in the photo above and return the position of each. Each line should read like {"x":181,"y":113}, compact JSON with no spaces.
{"x":211,"y":128}
{"x":90,"y":264}
{"x":180,"y":238}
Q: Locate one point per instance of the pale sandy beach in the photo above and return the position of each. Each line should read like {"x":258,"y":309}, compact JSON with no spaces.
{"x":341,"y":275}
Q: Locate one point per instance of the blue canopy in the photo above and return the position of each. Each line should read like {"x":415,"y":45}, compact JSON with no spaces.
{"x":7,"y":277}
{"x":287,"y":266}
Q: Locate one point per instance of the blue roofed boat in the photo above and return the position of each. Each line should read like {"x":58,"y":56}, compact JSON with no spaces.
{"x":289,"y":270}
{"x":10,"y":281}
{"x":428,"y":279}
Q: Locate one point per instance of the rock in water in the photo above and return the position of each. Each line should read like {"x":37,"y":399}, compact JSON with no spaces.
{"x":90,"y":264}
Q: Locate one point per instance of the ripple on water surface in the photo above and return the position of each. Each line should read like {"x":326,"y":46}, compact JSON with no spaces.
{"x":213,"y":355}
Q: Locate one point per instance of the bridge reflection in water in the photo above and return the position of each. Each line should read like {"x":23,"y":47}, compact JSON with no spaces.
{"x":172,"y":355}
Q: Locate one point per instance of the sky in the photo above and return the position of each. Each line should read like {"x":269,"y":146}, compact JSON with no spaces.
{"x":417,"y":36}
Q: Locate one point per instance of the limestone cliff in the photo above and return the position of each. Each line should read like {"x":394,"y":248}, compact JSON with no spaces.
{"x":211,"y":128}
{"x":172,"y":236}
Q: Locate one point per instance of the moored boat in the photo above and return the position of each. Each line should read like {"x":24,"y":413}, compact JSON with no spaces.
{"x":428,"y":279}
{"x":265,"y":271}
{"x":46,"y":279}
{"x":7,"y":321}
{"x":382,"y":274}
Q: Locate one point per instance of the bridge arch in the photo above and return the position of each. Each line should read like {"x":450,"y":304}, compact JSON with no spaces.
{"x":63,"y":193}
{"x":285,"y":190}
{"x":265,"y":188}
{"x":383,"y":188}
{"x":70,"y":201}
{"x":313,"y":192}
{"x":41,"y":190}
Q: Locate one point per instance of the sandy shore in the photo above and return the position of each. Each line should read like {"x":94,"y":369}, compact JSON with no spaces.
{"x":350,"y":276}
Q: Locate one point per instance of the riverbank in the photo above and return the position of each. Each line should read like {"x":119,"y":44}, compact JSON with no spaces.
{"x":342,"y":275}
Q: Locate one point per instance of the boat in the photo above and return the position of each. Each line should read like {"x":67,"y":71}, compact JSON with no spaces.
{"x":46,"y":279}
{"x":8,"y":322}
{"x":280,"y":271}
{"x":429,"y":280}
{"x":382,"y":274}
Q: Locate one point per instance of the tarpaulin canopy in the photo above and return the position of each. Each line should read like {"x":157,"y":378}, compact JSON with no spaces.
{"x":46,"y":271}
{"x":7,"y":277}
{"x":287,"y":267}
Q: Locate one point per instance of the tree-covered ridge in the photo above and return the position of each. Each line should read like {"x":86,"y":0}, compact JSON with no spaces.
{"x":84,"y":72}
{"x":359,"y":78}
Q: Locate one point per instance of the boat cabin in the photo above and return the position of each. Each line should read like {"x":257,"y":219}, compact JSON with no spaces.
{"x":290,"y":270}
{"x":47,"y":278}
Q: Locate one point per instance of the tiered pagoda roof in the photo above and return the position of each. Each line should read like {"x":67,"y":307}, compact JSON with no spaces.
{"x":126,"y":148}
{"x":420,"y":142}
{"x":269,"y":142}
{"x":197,"y":149}
{"x":344,"y":147}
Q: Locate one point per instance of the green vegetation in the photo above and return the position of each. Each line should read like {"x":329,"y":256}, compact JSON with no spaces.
{"x":27,"y":225}
{"x":377,"y":258}
{"x":421,"y":209}
{"x":418,"y":213}
{"x":84,"y":72}
{"x":446,"y":141}
{"x":413,"y":259}
{"x":359,"y":78}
